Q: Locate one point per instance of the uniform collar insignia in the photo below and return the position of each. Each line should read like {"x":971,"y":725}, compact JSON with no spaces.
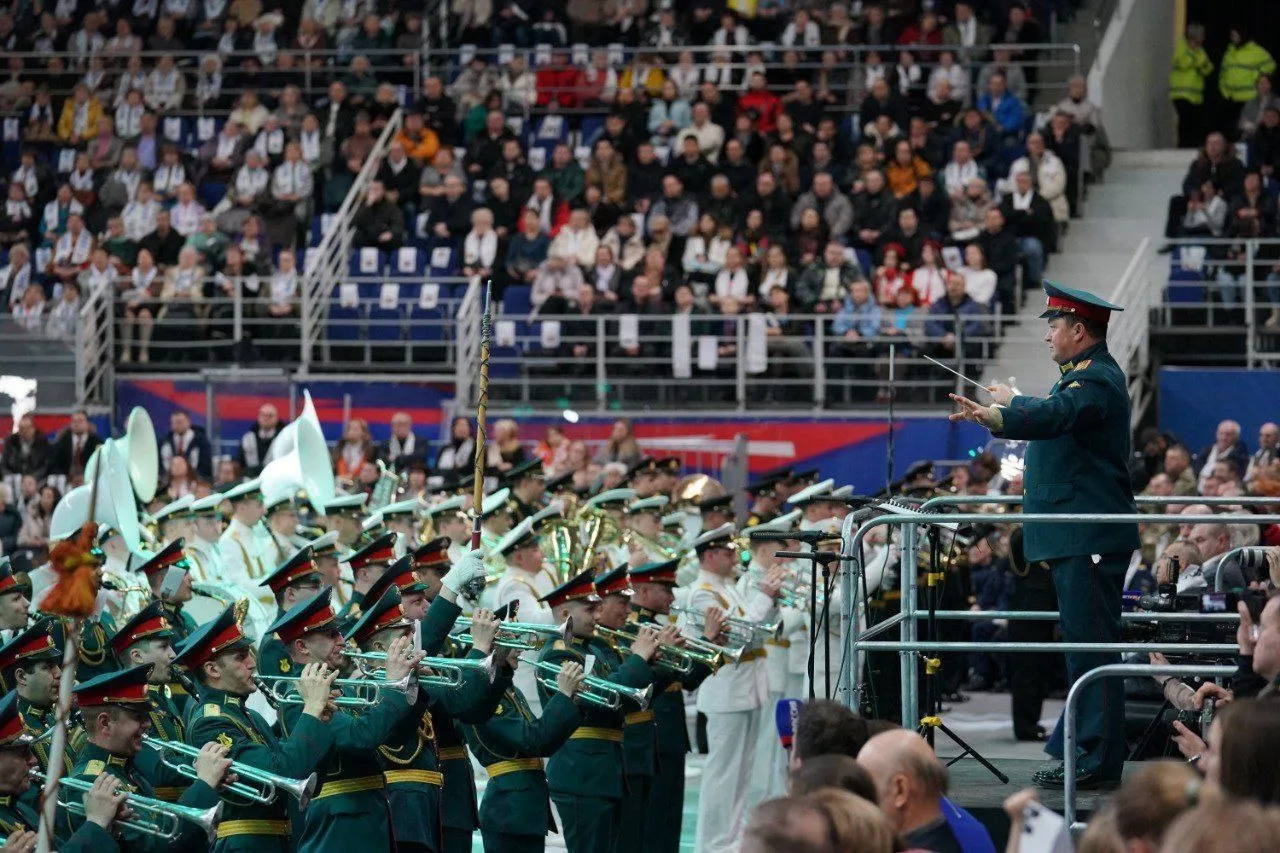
{"x":6,"y":801}
{"x":117,"y":760}
{"x":1067,"y":367}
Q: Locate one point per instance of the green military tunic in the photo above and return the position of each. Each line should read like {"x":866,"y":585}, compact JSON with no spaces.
{"x":93,"y":761}
{"x":1077,"y":462}
{"x":36,"y":721}
{"x":586,"y":774}
{"x":515,"y":815}
{"x":95,"y":647}
{"x":273,"y":657}
{"x":16,"y":814}
{"x":459,"y":814}
{"x":350,"y":809}
{"x":166,"y":724}
{"x":666,"y":795}
{"x":250,"y":827}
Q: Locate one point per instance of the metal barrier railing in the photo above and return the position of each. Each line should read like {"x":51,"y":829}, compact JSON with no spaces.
{"x":328,"y":262}
{"x":1069,"y":714}
{"x":854,"y":640}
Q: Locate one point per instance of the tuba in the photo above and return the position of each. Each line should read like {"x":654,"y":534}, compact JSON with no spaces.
{"x":385,"y":488}
{"x":599,"y":530}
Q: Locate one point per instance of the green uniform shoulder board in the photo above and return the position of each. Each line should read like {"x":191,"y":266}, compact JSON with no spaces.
{"x":94,"y":767}
{"x":285,"y":665}
{"x":1075,"y":385}
{"x":211,"y":709}
{"x":225,"y":740}
{"x":560,"y":646}
{"x":1082,"y":365}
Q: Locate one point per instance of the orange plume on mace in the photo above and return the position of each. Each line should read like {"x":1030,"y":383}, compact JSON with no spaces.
{"x":75,"y":592}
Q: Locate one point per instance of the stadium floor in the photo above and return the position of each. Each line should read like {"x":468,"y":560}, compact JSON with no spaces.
{"x":983,"y":722}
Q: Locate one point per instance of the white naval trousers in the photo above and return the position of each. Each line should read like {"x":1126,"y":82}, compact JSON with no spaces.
{"x":722,"y":803}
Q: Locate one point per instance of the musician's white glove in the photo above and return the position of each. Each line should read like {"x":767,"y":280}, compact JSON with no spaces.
{"x":469,"y":568}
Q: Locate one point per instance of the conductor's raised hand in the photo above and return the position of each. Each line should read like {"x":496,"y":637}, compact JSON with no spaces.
{"x":974,"y":412}
{"x":1001,"y":395}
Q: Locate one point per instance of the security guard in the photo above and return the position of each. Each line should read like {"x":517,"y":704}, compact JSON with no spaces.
{"x":1077,"y":462}
{"x":528,"y":488}
{"x":295,"y":581}
{"x":351,"y":806}
{"x":585,"y":775}
{"x":515,"y":814}
{"x":366,"y":565}
{"x":117,"y":709}
{"x":1243,"y":63}
{"x":220,"y":658}
{"x":243,"y":560}
{"x":1191,"y":67}
{"x":147,"y":640}
{"x":442,"y":586}
{"x":101,"y":806}
{"x":171,"y":556}
{"x":653,"y":586}
{"x":32,"y":665}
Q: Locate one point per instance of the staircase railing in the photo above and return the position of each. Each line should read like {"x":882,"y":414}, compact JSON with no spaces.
{"x":95,"y":366}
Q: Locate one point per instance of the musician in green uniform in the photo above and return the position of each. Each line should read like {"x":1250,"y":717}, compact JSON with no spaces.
{"x":528,"y":488}
{"x":101,"y":804}
{"x":15,"y":599}
{"x":296,"y":580}
{"x":1076,"y":462}
{"x":350,"y":809}
{"x":367,"y":564}
{"x":653,"y":592}
{"x":221,"y":659}
{"x":147,"y":639}
{"x":117,"y":712}
{"x":32,"y":665}
{"x":171,"y":556}
{"x":515,"y":814}
{"x":442,"y":584}
{"x":585,"y":775}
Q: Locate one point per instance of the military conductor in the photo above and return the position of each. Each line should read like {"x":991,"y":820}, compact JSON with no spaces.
{"x":1078,"y":444}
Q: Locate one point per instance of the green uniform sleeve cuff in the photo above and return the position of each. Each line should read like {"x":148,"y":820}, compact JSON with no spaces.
{"x":997,"y":418}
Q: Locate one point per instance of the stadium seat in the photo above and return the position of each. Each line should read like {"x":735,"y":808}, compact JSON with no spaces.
{"x":517,"y":302}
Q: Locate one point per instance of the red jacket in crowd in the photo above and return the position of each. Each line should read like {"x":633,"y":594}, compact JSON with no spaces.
{"x":767,"y":107}
{"x":560,"y":86}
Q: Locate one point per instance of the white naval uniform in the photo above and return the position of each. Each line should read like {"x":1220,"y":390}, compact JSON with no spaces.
{"x":769,"y":775}
{"x":206,"y":560}
{"x":733,"y":700}
{"x":525,"y":589}
{"x":243,"y":563}
{"x":279,"y":549}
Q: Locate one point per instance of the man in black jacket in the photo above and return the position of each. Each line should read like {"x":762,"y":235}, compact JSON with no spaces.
{"x":189,"y":441}
{"x":1029,"y":217}
{"x":379,"y":223}
{"x":933,"y":208}
{"x":400,"y":177}
{"x":73,"y":447}
{"x":578,"y":337}
{"x":1001,"y":250}
{"x":25,"y":452}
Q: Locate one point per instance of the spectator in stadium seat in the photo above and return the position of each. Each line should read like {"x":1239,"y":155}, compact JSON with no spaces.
{"x":222,"y":155}
{"x":401,"y":177}
{"x":835,"y":207}
{"x":527,"y":250}
{"x":53,"y":221}
{"x":139,"y":215}
{"x":438,"y":109}
{"x":694,"y":170}
{"x":451,"y":213}
{"x":980,"y":281}
{"x":1002,"y":107}
{"x":247,"y":194}
{"x":555,"y":283}
{"x":644,"y":178}
{"x":576,"y":239}
{"x":517,"y":85}
{"x":984,"y":139}
{"x":1029,"y":217}
{"x":969,"y":212}
{"x":485,"y":151}
{"x":480,"y":247}
{"x":29,"y":314}
{"x":254,"y":244}
{"x":18,"y":223}
{"x":72,"y":252}
{"x":122,"y":184}
{"x":874,"y":209}
{"x":281,"y":304}
{"x":379,"y":223}
{"x":104,"y":149}
{"x":1001,"y":252}
{"x":188,"y":441}
{"x":758,"y":100}
{"x":360,"y":144}
{"x":906,"y":234}
{"x":1226,"y":445}
{"x":420,"y":142}
{"x":80,"y":115}
{"x":957,"y":316}
{"x":1177,"y":465}
{"x":607,"y":172}
{"x":826,"y":283}
{"x":679,"y":208}
{"x":626,"y":243}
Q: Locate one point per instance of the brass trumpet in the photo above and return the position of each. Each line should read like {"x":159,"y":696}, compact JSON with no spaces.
{"x":597,"y":691}
{"x":269,"y":784}
{"x":742,"y":632}
{"x":439,"y":672}
{"x":525,"y":636}
{"x":277,"y":689}
{"x":677,"y":659}
{"x":150,"y":817}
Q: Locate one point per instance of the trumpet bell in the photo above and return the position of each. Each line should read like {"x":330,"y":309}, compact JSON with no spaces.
{"x":305,"y":467}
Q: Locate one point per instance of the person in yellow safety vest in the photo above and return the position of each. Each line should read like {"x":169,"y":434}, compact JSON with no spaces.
{"x":1243,"y":62}
{"x":1191,"y":65}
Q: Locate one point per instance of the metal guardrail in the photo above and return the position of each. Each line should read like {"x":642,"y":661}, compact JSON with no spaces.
{"x":1129,"y":335}
{"x":327,"y":263}
{"x":1221,"y":299}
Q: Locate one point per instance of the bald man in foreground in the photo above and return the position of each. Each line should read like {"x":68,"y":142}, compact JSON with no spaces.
{"x":911,"y":785}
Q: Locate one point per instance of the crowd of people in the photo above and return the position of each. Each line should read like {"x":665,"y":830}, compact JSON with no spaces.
{"x":693,"y":158}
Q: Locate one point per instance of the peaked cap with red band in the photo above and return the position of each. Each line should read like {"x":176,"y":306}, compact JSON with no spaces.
{"x":122,"y":687}
{"x":170,"y":555}
{"x":149,"y":623}
{"x":300,"y":567}
{"x":314,"y":614}
{"x":433,"y":555}
{"x":1070,"y":302}
{"x":34,"y":644}
{"x":11,"y":581}
{"x":581,"y":587}
{"x":380,"y":550}
{"x":663,"y":573}
{"x":12,"y":731}
{"x":211,"y":639}
{"x":400,"y":576}
{"x":614,"y":582}
{"x":386,"y":615}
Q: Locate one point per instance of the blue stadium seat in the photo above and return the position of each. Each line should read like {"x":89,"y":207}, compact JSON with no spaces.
{"x":366,"y":263}
{"x":1186,"y":278}
{"x":591,"y":127}
{"x":386,"y":319}
{"x":345,"y":321}
{"x":210,"y":193}
{"x":517,"y":302}
{"x":426,"y":314}
{"x":442,"y":261}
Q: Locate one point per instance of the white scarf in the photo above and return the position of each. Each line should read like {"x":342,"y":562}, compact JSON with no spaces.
{"x":26,"y":175}
{"x":1022,"y":202}
{"x":480,"y":249}
{"x":18,"y":280}
{"x":266,"y":48}
{"x":168,"y":178}
{"x":74,"y":250}
{"x":130,"y":179}
{"x":284,"y":286}
{"x":186,"y":280}
{"x":80,"y":121}
{"x":96,"y":279}
{"x":270,"y":143}
{"x":81,"y":180}
{"x":145,"y":8}
{"x":16,"y":209}
{"x":291,"y":179}
{"x":732,"y":283}
{"x":251,"y":181}
{"x":310,"y":141}
{"x":143,"y":280}
{"x":213,"y":9}
{"x":178,"y":8}
{"x":129,"y":120}
{"x":186,"y":217}
{"x":40,"y":114}
{"x":163,"y":83}
{"x":208,"y":86}
{"x":226,"y":146}
{"x":52,"y":212}
{"x":139,"y":218}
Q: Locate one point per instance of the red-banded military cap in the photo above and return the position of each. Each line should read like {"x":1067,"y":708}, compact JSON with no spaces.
{"x":170,"y":555}
{"x":12,"y":731}
{"x":580,"y":587}
{"x":663,"y":572}
{"x":1069,"y":301}
{"x":386,"y":615}
{"x":11,"y":581}
{"x":614,"y":582}
{"x":433,"y":555}
{"x":400,"y":576}
{"x":34,"y":644}
{"x":211,"y":639}
{"x":313,"y":615}
{"x":122,"y":687}
{"x":149,"y":623}
{"x":298,"y":568}
{"x":380,"y":550}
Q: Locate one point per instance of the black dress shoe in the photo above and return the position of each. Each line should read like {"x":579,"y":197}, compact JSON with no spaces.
{"x":1037,"y":736}
{"x":1054,"y":777}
